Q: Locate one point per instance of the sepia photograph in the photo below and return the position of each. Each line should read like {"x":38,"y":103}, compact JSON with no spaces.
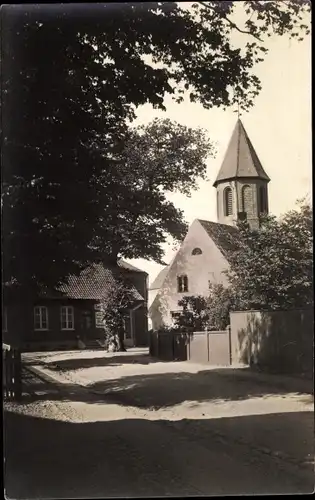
{"x":157,"y":249}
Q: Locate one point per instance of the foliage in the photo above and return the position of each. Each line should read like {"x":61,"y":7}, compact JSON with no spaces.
{"x":194,"y":315}
{"x":161,"y":157}
{"x":115,"y":306}
{"x":220,"y":302}
{"x":72,"y":78}
{"x":212,"y":313}
{"x":273,"y":266}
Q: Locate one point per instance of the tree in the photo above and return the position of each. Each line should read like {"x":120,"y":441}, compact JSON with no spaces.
{"x":115,"y":305}
{"x":72,"y":79}
{"x":220,"y":302}
{"x":194,"y":315}
{"x":154,"y":160}
{"x":212,"y":313}
{"x":273,"y":266}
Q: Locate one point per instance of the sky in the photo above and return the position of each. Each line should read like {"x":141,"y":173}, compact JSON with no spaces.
{"x":279,"y":126}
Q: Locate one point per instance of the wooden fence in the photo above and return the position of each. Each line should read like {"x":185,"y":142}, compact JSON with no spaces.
{"x":168,"y":346}
{"x":12,"y":372}
{"x":213,"y":347}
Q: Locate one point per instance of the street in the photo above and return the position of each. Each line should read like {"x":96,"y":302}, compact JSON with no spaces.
{"x":187,"y":431}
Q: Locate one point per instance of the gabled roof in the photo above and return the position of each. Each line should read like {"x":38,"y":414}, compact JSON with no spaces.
{"x":224,"y":236}
{"x":240,"y":159}
{"x":125,"y":265}
{"x":93,"y":282}
{"x":158,"y":282}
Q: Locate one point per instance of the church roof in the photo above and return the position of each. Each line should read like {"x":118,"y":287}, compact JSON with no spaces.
{"x":240,"y":159}
{"x":225,"y":237}
{"x":158,"y":282}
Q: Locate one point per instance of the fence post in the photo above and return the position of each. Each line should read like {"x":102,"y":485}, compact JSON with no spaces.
{"x":17,"y":374}
{"x":208,"y":344}
{"x":230,"y":344}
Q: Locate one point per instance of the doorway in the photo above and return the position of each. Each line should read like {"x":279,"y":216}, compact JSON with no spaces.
{"x":129,"y":330}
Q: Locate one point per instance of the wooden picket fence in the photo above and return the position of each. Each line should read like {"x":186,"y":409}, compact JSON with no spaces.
{"x":12,"y":372}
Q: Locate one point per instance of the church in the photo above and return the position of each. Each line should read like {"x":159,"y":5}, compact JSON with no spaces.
{"x":242,"y":194}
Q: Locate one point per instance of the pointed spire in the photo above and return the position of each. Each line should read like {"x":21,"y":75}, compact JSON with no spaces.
{"x":240,"y":159}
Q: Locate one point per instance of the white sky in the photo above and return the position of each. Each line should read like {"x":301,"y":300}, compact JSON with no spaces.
{"x":279,"y":126}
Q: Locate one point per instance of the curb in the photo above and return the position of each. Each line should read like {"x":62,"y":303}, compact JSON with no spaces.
{"x":43,"y":376}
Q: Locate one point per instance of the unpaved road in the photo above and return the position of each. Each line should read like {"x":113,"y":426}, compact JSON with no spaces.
{"x":178,"y":431}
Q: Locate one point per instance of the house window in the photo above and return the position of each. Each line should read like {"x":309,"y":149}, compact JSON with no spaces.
{"x":5,"y":320}
{"x":67,"y":318}
{"x":196,"y":251}
{"x":40,"y":318}
{"x":246,"y":198}
{"x":182,"y":284}
{"x":175,"y":315}
{"x":228,"y":201}
{"x":99,"y":316}
{"x":262,"y":200}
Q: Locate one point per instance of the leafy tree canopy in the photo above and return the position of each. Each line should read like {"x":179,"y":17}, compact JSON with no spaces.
{"x":273,"y":266}
{"x":72,"y":78}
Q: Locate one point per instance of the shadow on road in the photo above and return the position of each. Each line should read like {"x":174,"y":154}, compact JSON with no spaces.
{"x":169,"y":389}
{"x":161,"y":390}
{"x":114,"y":360}
{"x":137,"y":457}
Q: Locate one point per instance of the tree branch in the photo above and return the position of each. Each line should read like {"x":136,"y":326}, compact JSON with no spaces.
{"x":232,"y":23}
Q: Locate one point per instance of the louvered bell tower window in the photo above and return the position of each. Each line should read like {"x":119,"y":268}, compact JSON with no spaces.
{"x":262,"y":200}
{"x":246,"y":198}
{"x":228,"y":201}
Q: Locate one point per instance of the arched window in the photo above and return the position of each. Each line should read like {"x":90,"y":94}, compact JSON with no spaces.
{"x":246,"y":198}
{"x":262,"y":200}
{"x":182,"y":284}
{"x":228,"y":201}
{"x":196,"y":251}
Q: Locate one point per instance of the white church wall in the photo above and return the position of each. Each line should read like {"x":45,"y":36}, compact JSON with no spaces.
{"x":199,"y":269}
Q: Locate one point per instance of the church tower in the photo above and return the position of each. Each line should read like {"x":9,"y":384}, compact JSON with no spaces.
{"x":242,"y":183}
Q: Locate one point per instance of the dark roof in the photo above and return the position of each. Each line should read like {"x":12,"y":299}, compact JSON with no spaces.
{"x":158,"y":282}
{"x":125,"y":265}
{"x":93,"y":282}
{"x":240,"y":159}
{"x":225,"y":237}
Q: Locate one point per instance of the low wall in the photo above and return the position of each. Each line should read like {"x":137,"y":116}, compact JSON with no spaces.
{"x":280,"y":341}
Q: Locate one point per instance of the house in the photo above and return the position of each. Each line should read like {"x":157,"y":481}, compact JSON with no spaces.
{"x":242,"y":194}
{"x":71,"y":316}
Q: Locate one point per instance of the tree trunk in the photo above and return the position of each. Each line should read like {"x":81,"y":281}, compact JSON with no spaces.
{"x":115,"y":342}
{"x":121,"y":340}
